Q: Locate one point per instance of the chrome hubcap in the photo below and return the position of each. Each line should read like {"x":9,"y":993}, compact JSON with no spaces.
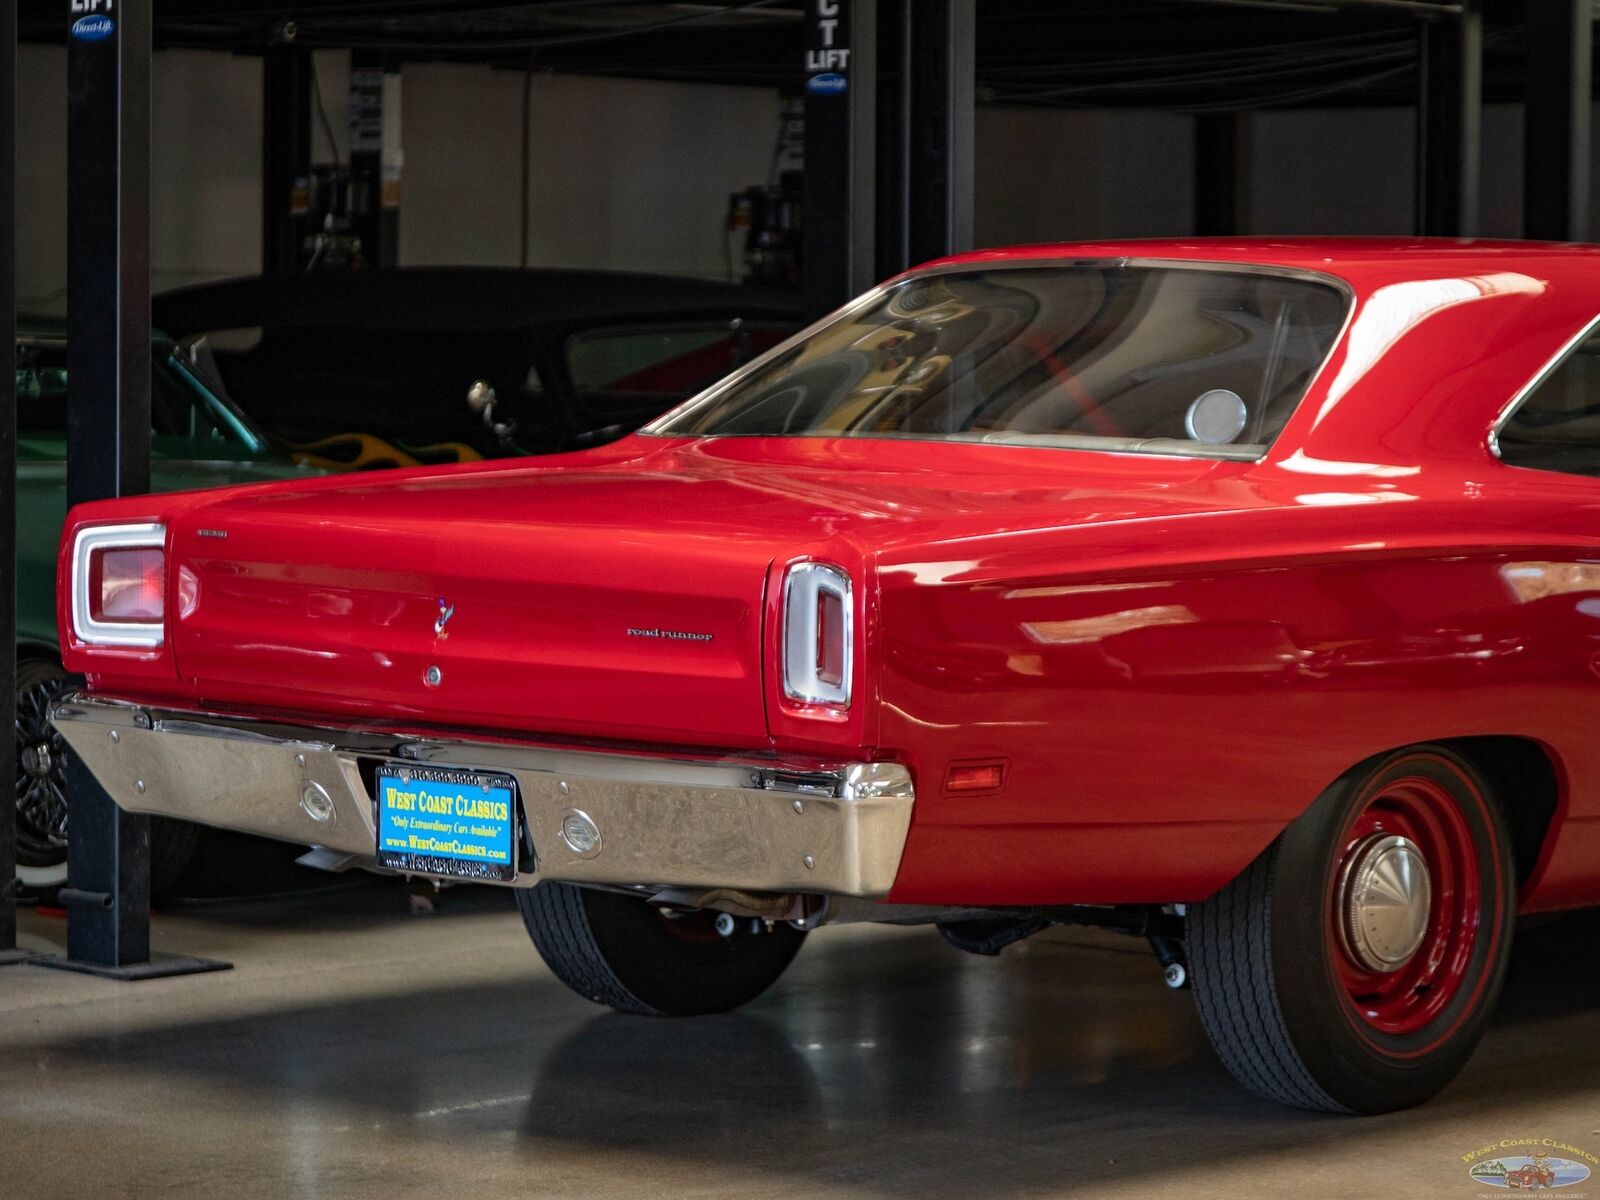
{"x":1385,"y":900}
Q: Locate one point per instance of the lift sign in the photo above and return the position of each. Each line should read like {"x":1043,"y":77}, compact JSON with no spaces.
{"x":93,"y":29}
{"x":827,"y":50}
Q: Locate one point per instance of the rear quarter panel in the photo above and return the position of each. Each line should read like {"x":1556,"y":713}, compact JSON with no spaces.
{"x":1167,"y":696}
{"x":42,"y":511}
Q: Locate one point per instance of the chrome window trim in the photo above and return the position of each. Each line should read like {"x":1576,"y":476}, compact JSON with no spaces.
{"x":1526,"y":391}
{"x":658,"y":427}
{"x":146,"y":634}
{"x":729,"y":326}
{"x":712,"y":393}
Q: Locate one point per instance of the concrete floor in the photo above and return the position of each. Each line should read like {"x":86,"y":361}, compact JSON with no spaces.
{"x":356,"y":1051}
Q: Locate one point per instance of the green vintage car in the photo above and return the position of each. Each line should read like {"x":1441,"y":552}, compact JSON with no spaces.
{"x":199,"y":438}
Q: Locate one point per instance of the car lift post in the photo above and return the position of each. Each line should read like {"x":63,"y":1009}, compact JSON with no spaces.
{"x":108,"y":434}
{"x":1449,"y":122}
{"x":8,"y":476}
{"x":940,"y":131}
{"x":1222,"y":162}
{"x":927,"y":109}
{"x":285,"y":149}
{"x":1559,"y":77}
{"x":841,"y":157}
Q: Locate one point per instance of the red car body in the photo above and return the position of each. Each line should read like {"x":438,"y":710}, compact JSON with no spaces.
{"x":1167,"y":658}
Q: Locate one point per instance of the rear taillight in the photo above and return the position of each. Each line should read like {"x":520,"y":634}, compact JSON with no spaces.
{"x":119,"y":585}
{"x":126,"y":586}
{"x":818,"y":632}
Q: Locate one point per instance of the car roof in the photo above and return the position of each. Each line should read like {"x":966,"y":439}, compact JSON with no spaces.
{"x":459,"y":298}
{"x":1443,"y":334}
{"x":1363,"y":261}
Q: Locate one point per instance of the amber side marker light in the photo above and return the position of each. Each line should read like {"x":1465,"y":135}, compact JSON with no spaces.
{"x":975,"y":777}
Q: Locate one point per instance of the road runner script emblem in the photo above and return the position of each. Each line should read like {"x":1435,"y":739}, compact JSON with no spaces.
{"x":677,"y":635}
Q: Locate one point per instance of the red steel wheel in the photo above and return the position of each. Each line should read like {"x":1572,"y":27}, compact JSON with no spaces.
{"x":1353,"y":966}
{"x":1404,"y":906}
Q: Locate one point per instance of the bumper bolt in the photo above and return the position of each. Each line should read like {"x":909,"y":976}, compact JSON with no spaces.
{"x":317,"y":803}
{"x":809,"y":861}
{"x":724,"y":925}
{"x":1175,"y":976}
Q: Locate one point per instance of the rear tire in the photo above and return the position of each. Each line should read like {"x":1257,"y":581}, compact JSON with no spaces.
{"x":1300,"y":967}
{"x":617,"y":950}
{"x":42,"y":825}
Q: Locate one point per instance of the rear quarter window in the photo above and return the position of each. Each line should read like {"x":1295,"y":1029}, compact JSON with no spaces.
{"x":1556,"y":426}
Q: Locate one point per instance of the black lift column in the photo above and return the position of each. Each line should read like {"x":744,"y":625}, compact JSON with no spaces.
{"x":927,"y":111}
{"x":1449,"y":122}
{"x":939,"y":131}
{"x":841,"y":151}
{"x":108,"y":430}
{"x":285,"y":150}
{"x":8,"y":475}
{"x":1560,"y":81}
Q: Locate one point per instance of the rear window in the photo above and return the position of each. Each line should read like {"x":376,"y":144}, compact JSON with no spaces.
{"x":1099,"y":356}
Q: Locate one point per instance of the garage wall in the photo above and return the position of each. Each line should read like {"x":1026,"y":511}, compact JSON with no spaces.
{"x":205,"y":205}
{"x":636,"y":174}
{"x":41,"y":178}
{"x":624,"y":174}
{"x":1108,"y":173}
{"x":1351,"y":171}
{"x":1045,"y":175}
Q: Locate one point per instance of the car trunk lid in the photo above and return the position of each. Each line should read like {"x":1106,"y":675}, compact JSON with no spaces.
{"x":478,"y":606}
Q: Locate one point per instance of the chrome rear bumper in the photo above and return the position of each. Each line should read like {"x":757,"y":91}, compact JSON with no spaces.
{"x":750,"y":824}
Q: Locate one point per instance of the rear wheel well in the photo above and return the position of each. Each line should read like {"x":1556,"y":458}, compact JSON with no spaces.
{"x":1523,"y":778}
{"x":29,"y":651}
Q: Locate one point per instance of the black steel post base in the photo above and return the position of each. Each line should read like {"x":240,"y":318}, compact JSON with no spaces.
{"x":159,"y":966}
{"x":10,"y":958}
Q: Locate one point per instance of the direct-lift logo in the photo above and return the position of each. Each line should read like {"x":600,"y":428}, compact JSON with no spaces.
{"x":1536,"y":1169}
{"x":93,"y":29}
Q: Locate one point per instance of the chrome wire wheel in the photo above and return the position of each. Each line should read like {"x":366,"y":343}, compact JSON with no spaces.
{"x":42,"y":814}
{"x":41,"y":775}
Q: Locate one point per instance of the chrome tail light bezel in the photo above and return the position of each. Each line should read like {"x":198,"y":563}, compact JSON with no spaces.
{"x":803,"y":586}
{"x":90,"y":540}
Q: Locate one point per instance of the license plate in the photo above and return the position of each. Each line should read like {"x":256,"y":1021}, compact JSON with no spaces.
{"x":442,"y":822}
